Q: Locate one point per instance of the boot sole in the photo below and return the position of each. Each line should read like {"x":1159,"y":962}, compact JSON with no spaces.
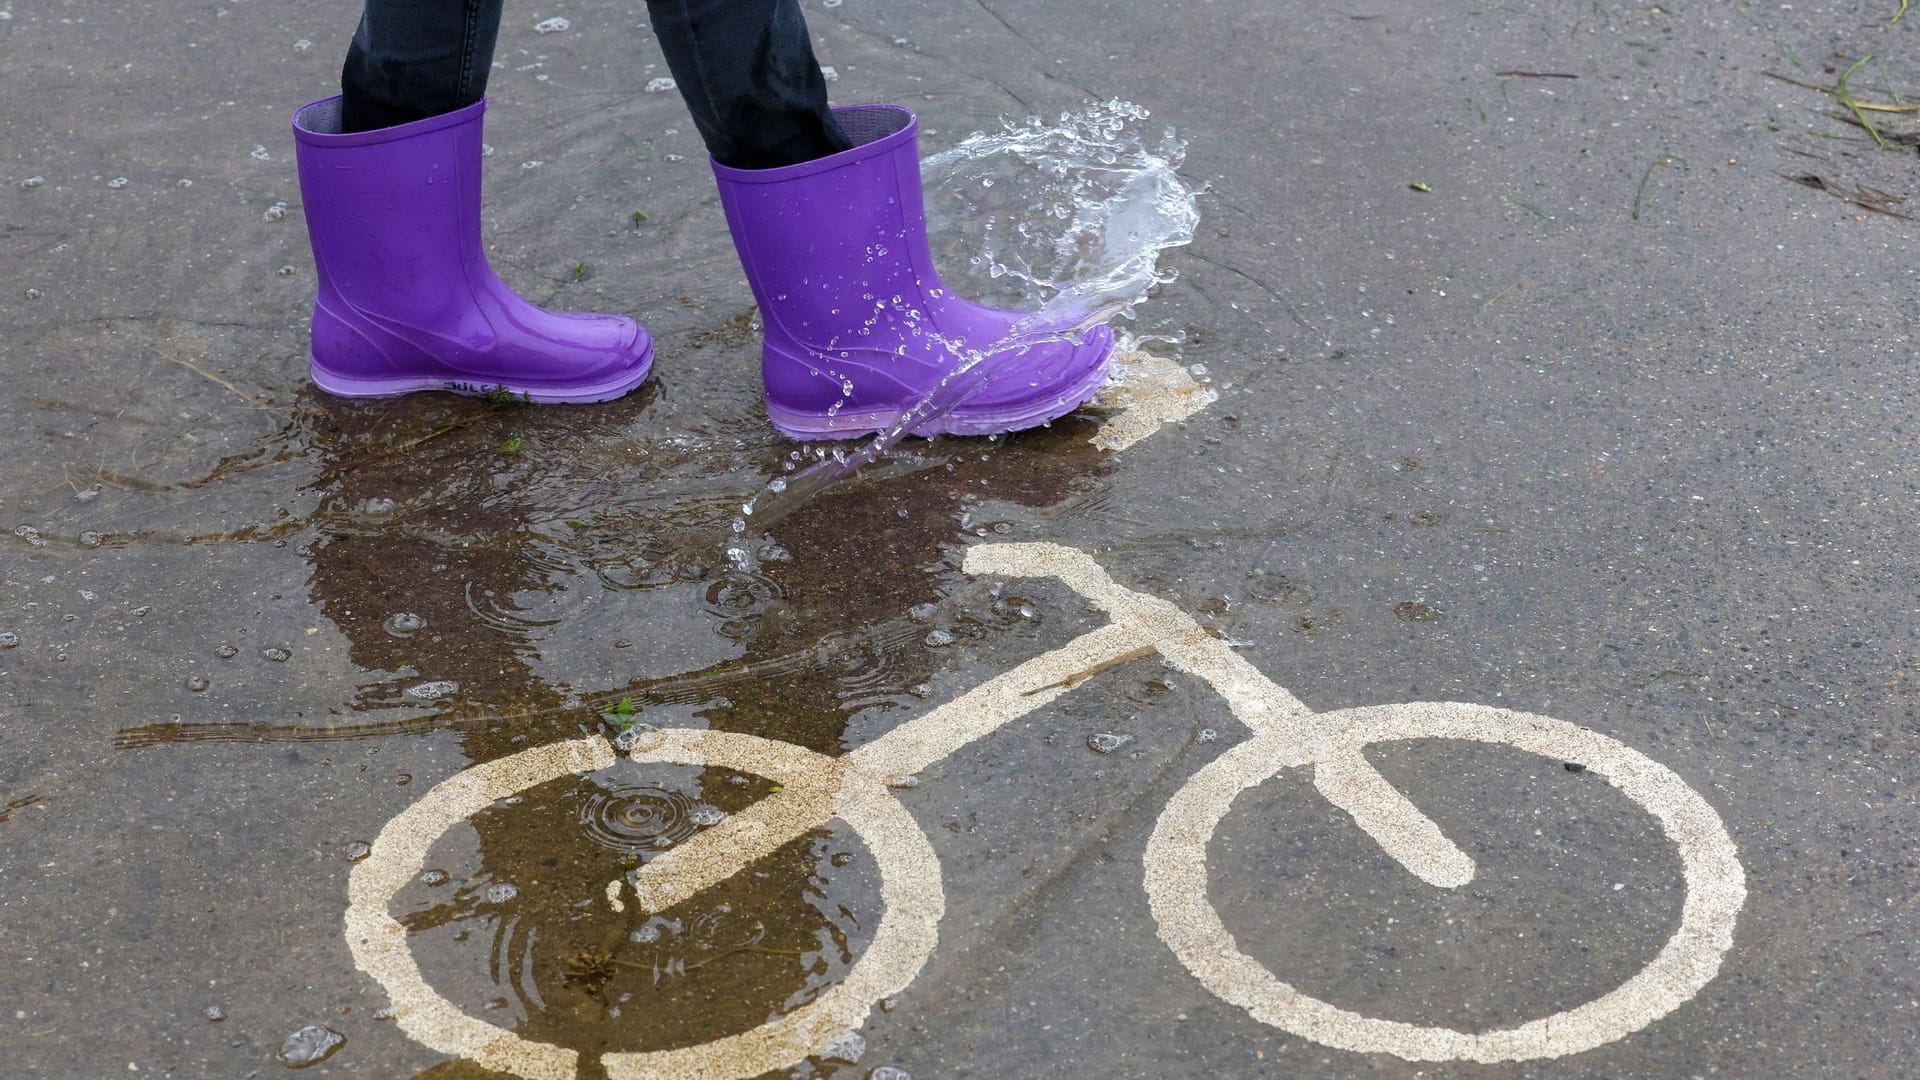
{"x":814,"y":427}
{"x":540,"y":394}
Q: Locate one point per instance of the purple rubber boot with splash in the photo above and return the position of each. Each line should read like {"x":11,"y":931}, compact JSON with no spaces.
{"x":407,"y":299}
{"x":858,"y":327}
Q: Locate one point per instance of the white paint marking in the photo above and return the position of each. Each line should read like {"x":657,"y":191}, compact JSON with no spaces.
{"x":1149,"y":393}
{"x":854,"y":789}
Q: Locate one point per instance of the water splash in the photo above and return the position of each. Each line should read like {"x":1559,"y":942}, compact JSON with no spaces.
{"x":1064,"y":222}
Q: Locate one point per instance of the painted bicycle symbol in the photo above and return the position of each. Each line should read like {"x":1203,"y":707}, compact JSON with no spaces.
{"x":856,"y":789}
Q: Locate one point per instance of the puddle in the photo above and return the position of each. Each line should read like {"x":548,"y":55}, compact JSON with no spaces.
{"x":520,"y":919}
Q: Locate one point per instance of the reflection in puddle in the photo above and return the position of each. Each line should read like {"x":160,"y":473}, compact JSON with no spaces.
{"x":431,"y":583}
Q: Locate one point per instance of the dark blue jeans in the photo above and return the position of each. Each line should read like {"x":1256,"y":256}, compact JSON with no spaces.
{"x":745,"y":67}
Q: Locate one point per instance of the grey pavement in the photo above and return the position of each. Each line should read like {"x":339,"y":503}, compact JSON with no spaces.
{"x":1564,"y":364}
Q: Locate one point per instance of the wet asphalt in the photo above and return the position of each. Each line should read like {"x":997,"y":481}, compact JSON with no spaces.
{"x":1563,"y":362}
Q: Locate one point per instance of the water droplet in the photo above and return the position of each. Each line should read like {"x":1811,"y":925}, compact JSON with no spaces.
{"x":214,"y":1014}
{"x":31,"y":182}
{"x":302,"y":45}
{"x":1207,"y":734}
{"x":9,"y":639}
{"x":276,"y":654}
{"x":706,"y":814}
{"x":630,"y":738}
{"x":937,"y":638}
{"x":404,"y":624}
{"x":433,"y":690}
{"x":91,"y":539}
{"x":1107,"y":742}
{"x":310,"y":1046}
{"x":142,"y":611}
{"x":921,"y":613}
{"x":117,"y":182}
{"x":380,"y":505}
{"x":197,"y":683}
{"x":551,"y":26}
{"x":358,"y":850}
{"x":435,"y":877}
{"x":889,"y":1072}
{"x":661,"y":85}
{"x":842,"y":858}
{"x":226,"y":652}
{"x":275,"y":212}
{"x":501,"y":893}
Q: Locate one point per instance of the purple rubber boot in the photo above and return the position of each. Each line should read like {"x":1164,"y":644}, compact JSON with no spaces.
{"x":407,"y":299}
{"x":858,"y":324}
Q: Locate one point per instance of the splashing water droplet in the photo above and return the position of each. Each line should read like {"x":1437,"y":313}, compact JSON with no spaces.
{"x":501,"y":893}
{"x":999,"y":195}
{"x":1107,"y":742}
{"x":404,"y":624}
